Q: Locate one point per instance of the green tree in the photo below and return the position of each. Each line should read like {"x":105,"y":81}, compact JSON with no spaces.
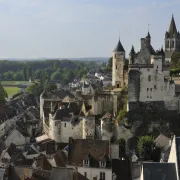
{"x":110,"y":62}
{"x":49,"y":86}
{"x":35,"y":88}
{"x":56,"y":76}
{"x":3,"y":94}
{"x":29,"y":72}
{"x":25,"y":73}
{"x":145,"y":147}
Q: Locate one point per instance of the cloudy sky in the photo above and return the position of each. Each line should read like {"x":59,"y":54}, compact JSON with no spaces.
{"x":80,"y":28}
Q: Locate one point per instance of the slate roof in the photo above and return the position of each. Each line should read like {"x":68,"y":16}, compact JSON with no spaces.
{"x":42,"y":162}
{"x":172,"y":27}
{"x":79,"y":149}
{"x":122,"y":169}
{"x":119,"y":47}
{"x":58,"y":94}
{"x":157,"y":171}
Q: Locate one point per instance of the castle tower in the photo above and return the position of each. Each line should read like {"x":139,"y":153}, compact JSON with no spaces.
{"x":172,"y":37}
{"x":118,"y":66}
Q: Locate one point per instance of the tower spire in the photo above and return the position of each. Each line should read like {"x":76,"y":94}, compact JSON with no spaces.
{"x":172,"y":26}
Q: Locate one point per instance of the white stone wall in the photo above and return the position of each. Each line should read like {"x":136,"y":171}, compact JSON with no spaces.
{"x":95,"y":172}
{"x":114,"y":151}
{"x":60,"y":131}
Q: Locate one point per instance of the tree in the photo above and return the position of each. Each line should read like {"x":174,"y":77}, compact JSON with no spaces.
{"x":25,"y":73}
{"x":122,"y":147}
{"x":3,"y":94}
{"x":110,"y":62}
{"x":56,"y":76}
{"x":35,"y":88}
{"x":49,"y":86}
{"x":146,"y":147}
{"x":29,"y":72}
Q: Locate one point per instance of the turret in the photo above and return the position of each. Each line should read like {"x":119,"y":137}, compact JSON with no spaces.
{"x":148,"y":38}
{"x":118,"y":65}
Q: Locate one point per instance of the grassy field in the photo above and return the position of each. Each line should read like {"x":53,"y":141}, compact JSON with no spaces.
{"x":12,"y":82}
{"x":12,"y":90}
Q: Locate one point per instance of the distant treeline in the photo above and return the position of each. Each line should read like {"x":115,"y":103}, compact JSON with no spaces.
{"x":61,"y":70}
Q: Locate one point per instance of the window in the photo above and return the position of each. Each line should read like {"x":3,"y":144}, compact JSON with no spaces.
{"x":157,"y":67}
{"x":150,"y":92}
{"x":86,"y":162}
{"x":116,"y":66}
{"x":155,"y":87}
{"x":102,"y":175}
{"x":102,"y":164}
{"x":147,"y":92}
{"x":64,"y":124}
{"x":85,"y":174}
{"x":149,"y":78}
{"x":172,"y":44}
{"x":115,"y":56}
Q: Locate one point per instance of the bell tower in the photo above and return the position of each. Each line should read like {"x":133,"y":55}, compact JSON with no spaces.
{"x":118,"y":66}
{"x":172,"y":37}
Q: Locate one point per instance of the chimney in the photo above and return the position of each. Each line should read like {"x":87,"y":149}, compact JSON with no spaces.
{"x":142,"y":43}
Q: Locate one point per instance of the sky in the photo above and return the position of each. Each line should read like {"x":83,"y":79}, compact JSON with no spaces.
{"x":81,"y":28}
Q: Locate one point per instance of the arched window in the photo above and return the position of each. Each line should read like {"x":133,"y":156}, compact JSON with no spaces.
{"x":172,"y":44}
{"x":149,"y":78}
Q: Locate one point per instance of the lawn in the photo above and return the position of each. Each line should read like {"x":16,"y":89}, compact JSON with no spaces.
{"x":12,"y":90}
{"x":12,"y":82}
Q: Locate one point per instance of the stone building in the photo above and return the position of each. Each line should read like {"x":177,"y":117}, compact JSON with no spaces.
{"x":149,"y":78}
{"x":172,"y":40}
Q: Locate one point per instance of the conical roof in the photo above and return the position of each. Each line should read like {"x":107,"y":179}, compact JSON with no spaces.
{"x":172,"y":27}
{"x":119,"y":47}
{"x":132,"y":51}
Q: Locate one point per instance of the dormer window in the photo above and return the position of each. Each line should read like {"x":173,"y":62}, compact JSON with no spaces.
{"x":102,"y":164}
{"x":86,"y":162}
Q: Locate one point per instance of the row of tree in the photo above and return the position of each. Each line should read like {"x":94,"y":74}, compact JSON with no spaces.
{"x":63,"y":71}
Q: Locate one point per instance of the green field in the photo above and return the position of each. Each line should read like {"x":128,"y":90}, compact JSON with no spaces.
{"x":12,"y":82}
{"x":12,"y":90}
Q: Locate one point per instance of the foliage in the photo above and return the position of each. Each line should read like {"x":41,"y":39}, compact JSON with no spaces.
{"x":175,"y":72}
{"x":3,"y":94}
{"x":175,"y":60}
{"x":145,"y":147}
{"x":35,"y":88}
{"x":122,"y":147}
{"x":110,"y":62}
{"x":49,"y":86}
{"x":123,"y":111}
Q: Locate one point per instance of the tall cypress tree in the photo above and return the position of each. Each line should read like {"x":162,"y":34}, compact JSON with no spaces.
{"x":3,"y":94}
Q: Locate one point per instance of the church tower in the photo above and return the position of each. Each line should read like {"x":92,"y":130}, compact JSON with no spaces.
{"x":172,"y":38}
{"x":118,"y":66}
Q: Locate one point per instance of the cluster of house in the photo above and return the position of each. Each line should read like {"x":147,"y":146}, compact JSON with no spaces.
{"x":71,"y":134}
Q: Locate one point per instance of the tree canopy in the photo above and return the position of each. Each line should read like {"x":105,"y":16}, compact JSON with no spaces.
{"x":146,"y":147}
{"x":3,"y":94}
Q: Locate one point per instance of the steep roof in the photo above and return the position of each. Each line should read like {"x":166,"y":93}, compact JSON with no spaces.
{"x":148,"y":35}
{"x":132,"y":51}
{"x":159,"y":171}
{"x":172,"y":27}
{"x":79,"y":149}
{"x":119,"y":47}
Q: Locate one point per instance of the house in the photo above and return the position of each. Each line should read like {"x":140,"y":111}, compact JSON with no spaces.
{"x":16,"y":138}
{"x":157,"y":171}
{"x":90,"y":157}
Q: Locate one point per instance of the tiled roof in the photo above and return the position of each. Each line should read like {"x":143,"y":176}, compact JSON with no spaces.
{"x":157,"y":171}
{"x":80,"y":148}
{"x":60,"y":158}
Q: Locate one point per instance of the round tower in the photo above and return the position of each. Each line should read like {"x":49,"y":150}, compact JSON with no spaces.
{"x":118,"y":66}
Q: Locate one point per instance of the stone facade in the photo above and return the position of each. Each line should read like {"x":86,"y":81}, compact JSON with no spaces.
{"x":149,"y":78}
